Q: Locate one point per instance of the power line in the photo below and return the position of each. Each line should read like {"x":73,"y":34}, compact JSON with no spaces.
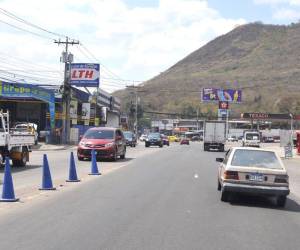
{"x":19,"y":19}
{"x":25,"y":30}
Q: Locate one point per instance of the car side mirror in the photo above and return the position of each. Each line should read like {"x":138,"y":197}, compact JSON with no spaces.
{"x":80,"y":137}
{"x":219,"y":159}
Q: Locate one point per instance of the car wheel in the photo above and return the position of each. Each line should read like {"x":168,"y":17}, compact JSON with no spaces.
{"x":224,"y":196}
{"x":219,"y":186}
{"x":281,"y":200}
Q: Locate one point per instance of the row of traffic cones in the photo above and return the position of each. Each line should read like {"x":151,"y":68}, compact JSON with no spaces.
{"x":8,"y":194}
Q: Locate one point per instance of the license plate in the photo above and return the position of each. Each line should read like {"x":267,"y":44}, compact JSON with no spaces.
{"x":256,"y":177}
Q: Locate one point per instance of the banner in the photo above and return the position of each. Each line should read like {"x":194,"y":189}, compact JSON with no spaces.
{"x":86,"y":111}
{"x":223,"y":95}
{"x":85,"y":74}
{"x":73,"y":109}
{"x":20,"y":90}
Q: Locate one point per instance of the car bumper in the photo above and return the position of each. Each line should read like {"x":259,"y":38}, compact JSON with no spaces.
{"x":87,"y":153}
{"x":256,"y":190}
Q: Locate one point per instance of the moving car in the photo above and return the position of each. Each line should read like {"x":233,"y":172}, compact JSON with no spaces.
{"x":184,"y":141}
{"x":130,"y":138}
{"x":253,"y":171}
{"x":143,"y":137}
{"x":108,"y":143}
{"x":154,"y":139}
{"x":173,"y":138}
{"x":165,"y":140}
{"x":251,"y":138}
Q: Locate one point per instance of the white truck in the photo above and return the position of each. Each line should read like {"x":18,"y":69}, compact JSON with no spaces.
{"x":214,"y":135}
{"x":251,"y":138}
{"x":14,"y":143}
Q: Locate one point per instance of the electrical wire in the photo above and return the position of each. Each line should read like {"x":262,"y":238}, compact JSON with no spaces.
{"x":19,"y":19}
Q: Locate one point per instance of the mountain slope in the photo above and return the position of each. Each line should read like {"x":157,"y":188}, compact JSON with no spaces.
{"x":262,"y":60}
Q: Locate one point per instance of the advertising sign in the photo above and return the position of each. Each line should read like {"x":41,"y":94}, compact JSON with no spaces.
{"x":85,"y":74}
{"x":223,"y":105}
{"x":223,"y":95}
{"x":86,"y":111}
{"x":19,"y":90}
{"x":262,"y":116}
{"x":73,"y":109}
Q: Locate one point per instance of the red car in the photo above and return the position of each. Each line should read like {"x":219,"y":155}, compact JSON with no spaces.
{"x":109,"y":143}
{"x":184,"y":141}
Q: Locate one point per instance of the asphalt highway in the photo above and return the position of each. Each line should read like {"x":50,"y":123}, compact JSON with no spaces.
{"x":164,"y":200}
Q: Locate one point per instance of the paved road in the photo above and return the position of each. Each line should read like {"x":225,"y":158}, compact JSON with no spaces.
{"x":30,"y":176}
{"x":157,"y":202}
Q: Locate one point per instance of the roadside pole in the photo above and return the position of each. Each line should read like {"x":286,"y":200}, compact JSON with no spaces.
{"x":67,"y":58}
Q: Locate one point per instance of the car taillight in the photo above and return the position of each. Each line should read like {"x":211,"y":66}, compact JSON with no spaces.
{"x":281,"y":179}
{"x":231,"y":175}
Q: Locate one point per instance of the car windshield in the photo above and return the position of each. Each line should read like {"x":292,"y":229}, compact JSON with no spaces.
{"x":99,"y":134}
{"x":154,"y":136}
{"x":252,"y":136}
{"x":255,"y":158}
{"x":128,"y":135}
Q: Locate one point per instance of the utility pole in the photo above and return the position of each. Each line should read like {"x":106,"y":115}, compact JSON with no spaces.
{"x":67,"y":58}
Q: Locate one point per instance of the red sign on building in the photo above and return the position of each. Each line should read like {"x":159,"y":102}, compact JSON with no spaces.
{"x":223,"y":105}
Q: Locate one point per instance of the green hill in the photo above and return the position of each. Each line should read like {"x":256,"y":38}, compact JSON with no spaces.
{"x":262,"y":60}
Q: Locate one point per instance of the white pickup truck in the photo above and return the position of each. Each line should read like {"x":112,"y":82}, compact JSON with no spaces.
{"x":14,"y":143}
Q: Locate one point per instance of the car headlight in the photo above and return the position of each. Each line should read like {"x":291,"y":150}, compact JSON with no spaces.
{"x":107,"y":145}
{"x":82,"y":144}
{"x":147,"y":139}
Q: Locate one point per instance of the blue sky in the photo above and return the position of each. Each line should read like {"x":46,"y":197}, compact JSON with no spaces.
{"x":134,"y":39}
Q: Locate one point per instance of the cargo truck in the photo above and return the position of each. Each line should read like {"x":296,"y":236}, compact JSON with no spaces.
{"x":214,"y":135}
{"x":14,"y":143}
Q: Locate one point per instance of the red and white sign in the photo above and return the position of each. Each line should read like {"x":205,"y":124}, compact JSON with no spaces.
{"x":85,"y":75}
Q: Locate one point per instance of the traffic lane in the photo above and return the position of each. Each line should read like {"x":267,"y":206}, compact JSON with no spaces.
{"x":31,"y":175}
{"x":163,"y":201}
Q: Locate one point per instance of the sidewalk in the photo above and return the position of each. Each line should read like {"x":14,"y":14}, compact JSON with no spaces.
{"x":52,"y":147}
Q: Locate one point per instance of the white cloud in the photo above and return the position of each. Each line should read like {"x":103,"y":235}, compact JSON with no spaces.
{"x":286,"y":14}
{"x":137,"y":43}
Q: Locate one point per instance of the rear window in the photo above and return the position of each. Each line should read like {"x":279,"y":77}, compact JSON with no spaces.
{"x":99,"y":134}
{"x":255,"y":158}
{"x":252,"y":136}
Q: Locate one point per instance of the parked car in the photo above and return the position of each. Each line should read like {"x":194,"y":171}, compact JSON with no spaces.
{"x":154,"y":139}
{"x":108,"y":143}
{"x":268,"y":139}
{"x":232,"y":138}
{"x":184,"y":141}
{"x":196,"y":138}
{"x":253,"y":171}
{"x":165,"y":140}
{"x":173,"y":138}
{"x":130,"y":138}
{"x":29,"y":127}
{"x":143,"y":137}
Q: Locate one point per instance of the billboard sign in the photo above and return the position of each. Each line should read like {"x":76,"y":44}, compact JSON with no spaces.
{"x":85,"y":74}
{"x":264,"y":116}
{"x":20,"y":90}
{"x":86,"y":111}
{"x":223,"y":105}
{"x":221,"y":95}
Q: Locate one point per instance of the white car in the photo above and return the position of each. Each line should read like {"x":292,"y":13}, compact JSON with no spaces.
{"x":253,"y":171}
{"x":143,"y":137}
